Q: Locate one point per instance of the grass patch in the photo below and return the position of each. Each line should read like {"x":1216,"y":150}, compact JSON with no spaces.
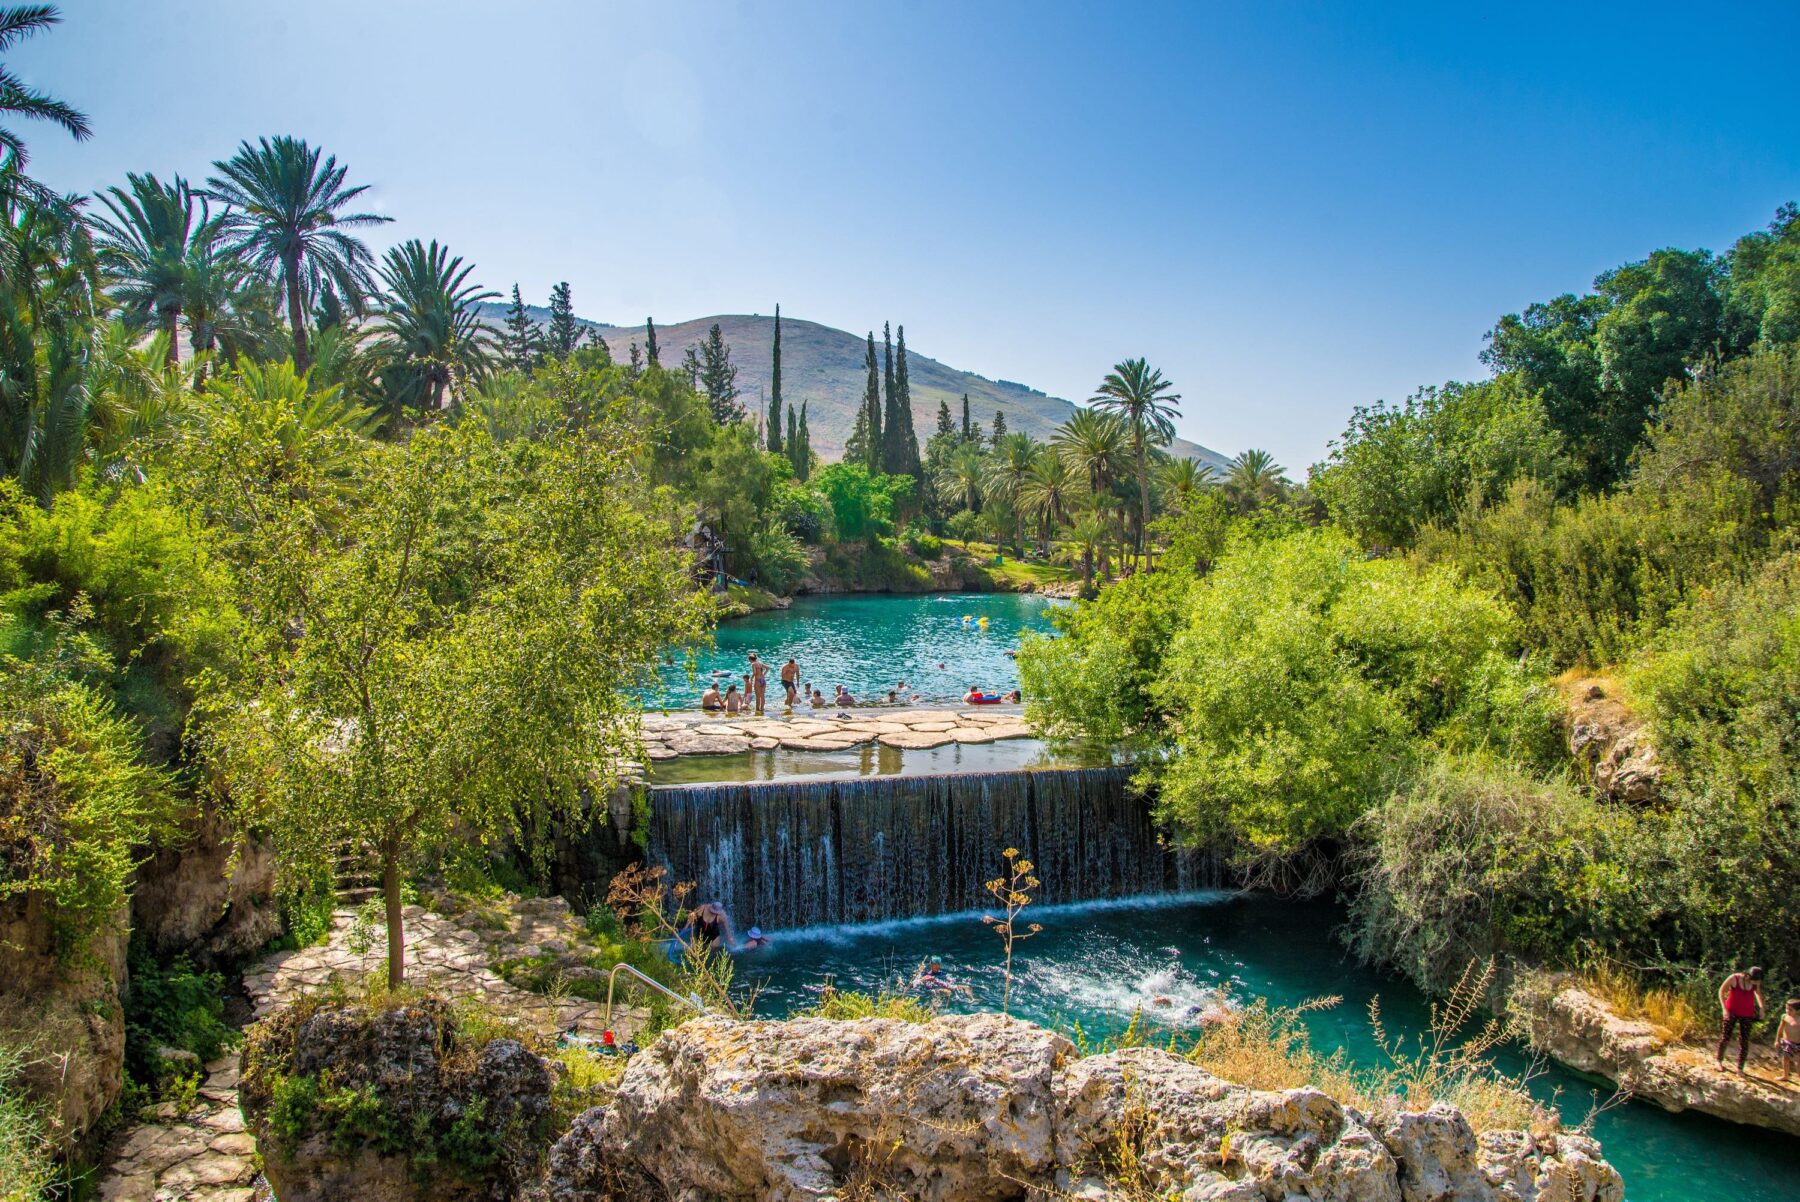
{"x":1670,"y":1011}
{"x":848,"y":1005}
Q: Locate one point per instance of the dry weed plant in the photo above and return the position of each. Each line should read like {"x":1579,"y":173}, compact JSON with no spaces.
{"x":1669,"y":1011}
{"x":1012,"y":889}
{"x":650,"y":908}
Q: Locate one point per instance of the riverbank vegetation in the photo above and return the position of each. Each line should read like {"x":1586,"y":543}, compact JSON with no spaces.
{"x":1352,"y":686}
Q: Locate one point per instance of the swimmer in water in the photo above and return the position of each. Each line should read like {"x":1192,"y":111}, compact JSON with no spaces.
{"x":932,"y":979}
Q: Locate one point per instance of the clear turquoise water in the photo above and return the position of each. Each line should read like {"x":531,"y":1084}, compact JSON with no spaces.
{"x":869,"y":643}
{"x":1095,"y":964}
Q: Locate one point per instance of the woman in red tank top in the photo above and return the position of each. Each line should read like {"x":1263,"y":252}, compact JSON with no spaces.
{"x":1741,"y":1000}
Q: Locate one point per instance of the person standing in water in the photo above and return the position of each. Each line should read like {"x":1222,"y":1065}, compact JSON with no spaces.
{"x":1741,"y":1000}
{"x":790,"y":679}
{"x":759,"y":680}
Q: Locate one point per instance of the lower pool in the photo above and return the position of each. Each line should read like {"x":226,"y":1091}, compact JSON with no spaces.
{"x":1098,"y":963}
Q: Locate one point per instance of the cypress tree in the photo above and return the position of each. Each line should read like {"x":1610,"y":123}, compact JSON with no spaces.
{"x":872,"y":410}
{"x":564,"y":334}
{"x":856,"y":447}
{"x":803,"y":457}
{"x":637,"y":360}
{"x":903,"y":440}
{"x":793,"y":440}
{"x":890,"y":417}
{"x":999,"y":425}
{"x":718,"y":378}
{"x":522,"y":341}
{"x":968,"y":422}
{"x":774,"y":430}
{"x":650,"y":343}
{"x":946,"y":423}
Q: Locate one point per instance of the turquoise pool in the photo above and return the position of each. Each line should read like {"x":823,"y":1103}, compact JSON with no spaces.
{"x":1097,"y":963}
{"x":870,"y":642}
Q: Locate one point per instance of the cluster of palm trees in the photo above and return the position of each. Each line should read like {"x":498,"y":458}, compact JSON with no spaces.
{"x":1097,"y":486}
{"x":113,"y":307}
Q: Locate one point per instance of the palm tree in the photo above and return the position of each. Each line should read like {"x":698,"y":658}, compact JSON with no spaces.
{"x":1095,"y":444}
{"x":1253,"y":478}
{"x":434,"y":341}
{"x":1183,"y":479}
{"x":47,"y":340}
{"x":287,"y":221}
{"x":148,"y":245}
{"x":959,"y":483}
{"x":1048,"y":494}
{"x":1007,"y":467}
{"x":18,"y":100}
{"x":1146,"y":403}
{"x":1089,"y":536}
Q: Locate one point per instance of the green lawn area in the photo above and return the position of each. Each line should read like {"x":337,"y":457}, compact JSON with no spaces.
{"x":1011,"y":570}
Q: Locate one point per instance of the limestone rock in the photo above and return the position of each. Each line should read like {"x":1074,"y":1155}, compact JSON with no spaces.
{"x":1611,"y":744}
{"x":982,"y":1107}
{"x":209,"y":896}
{"x":1580,"y":1030}
{"x":916,"y":740}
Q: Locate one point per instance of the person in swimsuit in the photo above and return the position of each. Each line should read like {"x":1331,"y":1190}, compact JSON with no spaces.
{"x":1741,"y":1001}
{"x":710,"y":700}
{"x":1787,"y":1038}
{"x":790,"y":679}
{"x":733,"y":703}
{"x":843,"y":697}
{"x":759,"y":680}
{"x":818,"y":698}
{"x":708,"y":926}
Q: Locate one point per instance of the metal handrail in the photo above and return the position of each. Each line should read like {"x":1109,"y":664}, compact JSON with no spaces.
{"x":613,"y":977}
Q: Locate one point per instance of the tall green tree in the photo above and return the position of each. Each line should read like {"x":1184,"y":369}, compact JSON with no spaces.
{"x":523,"y":341}
{"x":945,"y":423}
{"x":900,"y":454}
{"x":999,"y":425}
{"x":433,"y":341}
{"x":146,"y":242}
{"x":565,"y":334}
{"x":872,"y":407}
{"x":1009,"y":465}
{"x":1253,"y":479}
{"x":790,"y":446}
{"x":1050,"y":492}
{"x":773,"y":430}
{"x":968,"y":422}
{"x":1145,"y":402}
{"x":1096,"y":445}
{"x":965,"y":471}
{"x":802,"y":448}
{"x":651,"y":353}
{"x":718,"y":378}
{"x":438,"y":642}
{"x":287,"y":213}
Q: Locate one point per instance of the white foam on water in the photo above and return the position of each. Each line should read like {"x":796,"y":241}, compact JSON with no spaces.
{"x":845,"y":933}
{"x":1118,"y":980}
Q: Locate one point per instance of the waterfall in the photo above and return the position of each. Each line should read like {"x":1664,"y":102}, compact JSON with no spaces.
{"x":800,"y":853}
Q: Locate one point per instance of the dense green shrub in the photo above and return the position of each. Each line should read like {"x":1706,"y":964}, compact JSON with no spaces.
{"x":27,"y":1167}
{"x":779,"y":558}
{"x":171,"y":1005}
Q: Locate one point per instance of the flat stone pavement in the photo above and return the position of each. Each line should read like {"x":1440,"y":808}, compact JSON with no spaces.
{"x":694,"y":733}
{"x":206,"y":1155}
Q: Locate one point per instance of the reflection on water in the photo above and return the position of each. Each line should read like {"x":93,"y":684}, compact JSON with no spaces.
{"x":1097,"y":964}
{"x":868,"y":759}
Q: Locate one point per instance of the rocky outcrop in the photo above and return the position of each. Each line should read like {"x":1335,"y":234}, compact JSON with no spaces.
{"x":65,"y":1010}
{"x":1610,"y":743}
{"x":209,"y":896}
{"x":1580,"y":1030}
{"x":985,"y":1107}
{"x":391,"y":1104}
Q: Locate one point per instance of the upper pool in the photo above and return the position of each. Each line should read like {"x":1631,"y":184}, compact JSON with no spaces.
{"x":870,"y":642}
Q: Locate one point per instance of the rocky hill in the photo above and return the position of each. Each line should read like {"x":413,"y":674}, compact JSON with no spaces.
{"x":824,"y":367}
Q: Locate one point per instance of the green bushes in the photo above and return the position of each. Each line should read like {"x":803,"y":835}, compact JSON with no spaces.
{"x":779,"y":558}
{"x":27,"y":1167}
{"x":171,"y":1005}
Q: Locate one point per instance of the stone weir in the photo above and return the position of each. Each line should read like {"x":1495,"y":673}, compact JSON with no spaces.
{"x":804,"y":853}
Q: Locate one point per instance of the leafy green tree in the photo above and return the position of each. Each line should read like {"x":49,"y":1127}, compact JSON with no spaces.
{"x":999,"y":426}
{"x":862,"y":504}
{"x":1095,"y":444}
{"x":791,"y":444}
{"x":146,"y":245}
{"x":1184,"y":479}
{"x":438,"y":644}
{"x":286,"y":217}
{"x":1254,"y":479}
{"x":1145,"y":402}
{"x":651,"y":354}
{"x":964,"y":474}
{"x":901,"y":448}
{"x":1762,"y":298}
{"x":433,"y":342}
{"x":523,"y":342}
{"x":801,"y":446}
{"x":17,"y":99}
{"x":856,"y":446}
{"x":718,"y":378}
{"x":945,"y":423}
{"x":773,"y":429}
{"x":1050,"y":492}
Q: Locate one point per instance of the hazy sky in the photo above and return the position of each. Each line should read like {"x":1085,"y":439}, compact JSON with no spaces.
{"x":1290,"y":209}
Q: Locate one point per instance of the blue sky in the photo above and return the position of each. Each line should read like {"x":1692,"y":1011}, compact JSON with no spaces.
{"x":1291,"y":209}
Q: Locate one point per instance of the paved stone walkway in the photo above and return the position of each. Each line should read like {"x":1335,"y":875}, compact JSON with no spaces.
{"x":694,"y":733}
{"x":205,"y":1155}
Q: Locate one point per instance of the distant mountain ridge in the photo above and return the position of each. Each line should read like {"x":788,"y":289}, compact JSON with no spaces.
{"x":823,"y":366}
